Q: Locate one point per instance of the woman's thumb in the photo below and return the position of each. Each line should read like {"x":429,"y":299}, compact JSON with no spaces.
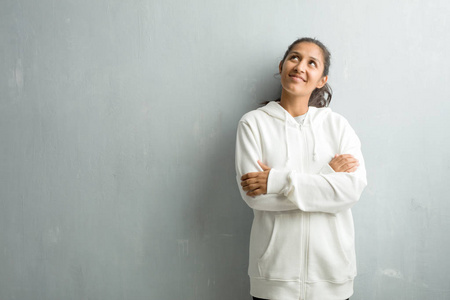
{"x":263,"y":166}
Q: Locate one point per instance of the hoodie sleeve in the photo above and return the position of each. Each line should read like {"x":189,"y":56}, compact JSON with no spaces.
{"x":248,"y":152}
{"x":328,"y":191}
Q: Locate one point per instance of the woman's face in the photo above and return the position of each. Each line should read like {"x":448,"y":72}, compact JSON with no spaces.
{"x":301,"y":71}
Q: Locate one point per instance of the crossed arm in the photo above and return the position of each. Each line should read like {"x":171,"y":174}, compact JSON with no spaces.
{"x":255,"y":183}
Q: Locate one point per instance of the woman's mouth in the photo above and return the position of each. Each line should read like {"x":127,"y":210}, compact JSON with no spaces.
{"x":297,"y":78}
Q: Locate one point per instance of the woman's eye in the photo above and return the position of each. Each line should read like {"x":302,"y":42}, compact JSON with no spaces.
{"x":295,"y":57}
{"x":313,"y":63}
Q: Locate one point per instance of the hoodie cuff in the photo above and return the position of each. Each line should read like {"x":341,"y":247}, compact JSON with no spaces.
{"x":327,"y":169}
{"x":277,"y":181}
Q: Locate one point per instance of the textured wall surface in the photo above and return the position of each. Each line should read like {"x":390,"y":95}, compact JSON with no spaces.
{"x":117,"y":127}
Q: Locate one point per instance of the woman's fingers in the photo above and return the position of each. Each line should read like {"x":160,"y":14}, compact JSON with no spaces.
{"x":250,"y":185}
{"x":256,"y":182}
{"x":250,"y":175}
{"x":352,"y":169}
{"x":344,"y":163}
{"x":256,"y":192}
{"x":254,"y":187}
{"x":348,"y":164}
{"x":249,"y":181}
{"x":345,"y":158}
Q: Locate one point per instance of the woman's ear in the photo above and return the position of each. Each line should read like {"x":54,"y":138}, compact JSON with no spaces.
{"x":280,"y":67}
{"x":322,"y":82}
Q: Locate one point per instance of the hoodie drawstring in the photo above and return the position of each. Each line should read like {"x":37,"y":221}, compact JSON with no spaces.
{"x":315,"y":155}
{"x":288,"y":156}
{"x":275,"y":110}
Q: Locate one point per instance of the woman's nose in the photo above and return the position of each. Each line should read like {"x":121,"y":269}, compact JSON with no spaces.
{"x":300,"y":67}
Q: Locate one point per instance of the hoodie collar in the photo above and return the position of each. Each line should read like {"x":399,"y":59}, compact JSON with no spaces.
{"x":314,"y":117}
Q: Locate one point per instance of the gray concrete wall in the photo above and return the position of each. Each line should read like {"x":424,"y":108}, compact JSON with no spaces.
{"x":117,"y":127}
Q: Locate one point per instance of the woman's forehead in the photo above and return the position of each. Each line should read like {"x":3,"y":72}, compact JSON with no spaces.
{"x":308,"y":49}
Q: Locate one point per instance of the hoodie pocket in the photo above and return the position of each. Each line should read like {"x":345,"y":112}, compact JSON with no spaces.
{"x":281,"y":259}
{"x":331,"y":251}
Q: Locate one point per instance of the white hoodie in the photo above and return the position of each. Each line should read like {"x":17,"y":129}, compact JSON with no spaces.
{"x":302,"y":238}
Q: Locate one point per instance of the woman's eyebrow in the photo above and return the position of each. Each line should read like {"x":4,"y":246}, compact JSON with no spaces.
{"x":314,"y":59}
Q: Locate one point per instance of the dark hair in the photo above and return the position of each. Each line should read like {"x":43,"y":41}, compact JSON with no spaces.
{"x":320,"y":97}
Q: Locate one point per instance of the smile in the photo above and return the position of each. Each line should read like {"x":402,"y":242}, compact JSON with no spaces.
{"x":297,"y":78}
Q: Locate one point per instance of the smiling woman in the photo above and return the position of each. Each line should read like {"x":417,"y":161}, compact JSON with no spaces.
{"x":320,"y":97}
{"x":302,"y":71}
{"x":300,"y":168}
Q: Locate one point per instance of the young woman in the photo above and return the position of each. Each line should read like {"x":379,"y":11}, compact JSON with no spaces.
{"x":300,"y":168}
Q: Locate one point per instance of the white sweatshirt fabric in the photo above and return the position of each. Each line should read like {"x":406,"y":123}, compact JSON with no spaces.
{"x":302,"y":237}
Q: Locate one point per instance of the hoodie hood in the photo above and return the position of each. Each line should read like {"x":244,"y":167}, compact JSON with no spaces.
{"x":314,"y":118}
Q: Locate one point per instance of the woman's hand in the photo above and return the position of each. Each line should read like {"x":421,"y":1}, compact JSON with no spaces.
{"x":344,"y":163}
{"x":255,"y":183}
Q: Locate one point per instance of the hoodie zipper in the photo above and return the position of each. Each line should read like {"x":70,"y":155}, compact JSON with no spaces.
{"x":305,"y":222}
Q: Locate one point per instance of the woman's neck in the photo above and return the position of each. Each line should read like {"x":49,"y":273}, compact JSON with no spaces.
{"x":295,"y":106}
